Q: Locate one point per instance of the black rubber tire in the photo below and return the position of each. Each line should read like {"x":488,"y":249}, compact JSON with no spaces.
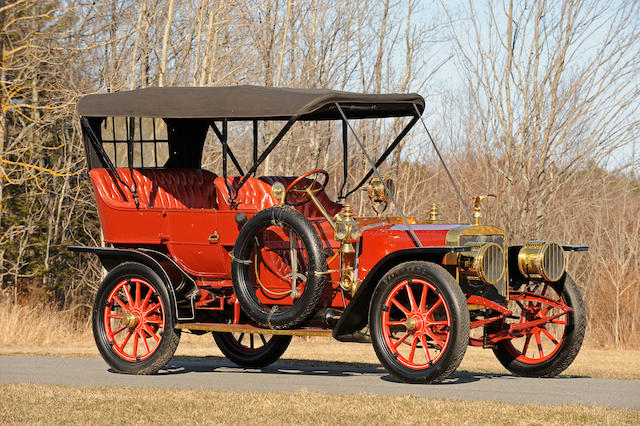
{"x":245,"y":357}
{"x":459,"y":315}
{"x":285,"y":316}
{"x":570,"y":346}
{"x":170,"y":337}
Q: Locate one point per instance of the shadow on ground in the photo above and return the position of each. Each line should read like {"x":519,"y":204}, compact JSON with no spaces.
{"x":302,"y":367}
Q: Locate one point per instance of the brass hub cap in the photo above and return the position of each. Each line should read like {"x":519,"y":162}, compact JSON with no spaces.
{"x":411,"y":324}
{"x":130,"y":319}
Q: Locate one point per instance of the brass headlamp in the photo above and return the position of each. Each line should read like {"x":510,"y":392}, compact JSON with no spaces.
{"x":542,"y":260}
{"x":346,"y":229}
{"x":381,"y":192}
{"x":484,"y":262}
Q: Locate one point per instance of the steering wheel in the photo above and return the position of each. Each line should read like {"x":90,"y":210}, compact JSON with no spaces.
{"x":302,"y":189}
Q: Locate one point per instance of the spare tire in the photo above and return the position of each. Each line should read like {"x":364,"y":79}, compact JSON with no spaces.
{"x":275,"y":241}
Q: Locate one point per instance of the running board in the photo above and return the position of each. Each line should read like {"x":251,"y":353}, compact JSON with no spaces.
{"x":245,"y":328}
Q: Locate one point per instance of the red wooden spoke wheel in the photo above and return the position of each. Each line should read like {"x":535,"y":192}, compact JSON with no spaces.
{"x":133,"y":320}
{"x":419,"y":322}
{"x":252,"y":350}
{"x":419,"y":332}
{"x":558,"y":319}
{"x":134,"y":323}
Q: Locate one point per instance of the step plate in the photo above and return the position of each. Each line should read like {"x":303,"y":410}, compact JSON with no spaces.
{"x":246,"y":328}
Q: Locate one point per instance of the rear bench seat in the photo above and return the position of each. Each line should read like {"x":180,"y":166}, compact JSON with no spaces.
{"x":158,"y":188}
{"x":194,"y":189}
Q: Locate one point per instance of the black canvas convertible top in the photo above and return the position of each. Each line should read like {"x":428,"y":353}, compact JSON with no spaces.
{"x":247,"y":103}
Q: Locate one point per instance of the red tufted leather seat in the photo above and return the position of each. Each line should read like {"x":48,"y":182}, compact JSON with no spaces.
{"x":253,"y":194}
{"x":158,"y":188}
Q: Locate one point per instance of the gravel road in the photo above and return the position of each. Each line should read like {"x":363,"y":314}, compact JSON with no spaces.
{"x":212,"y":373}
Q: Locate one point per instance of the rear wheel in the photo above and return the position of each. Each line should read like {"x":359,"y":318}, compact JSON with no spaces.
{"x":252,"y":350}
{"x":548,"y":349}
{"x":133,"y":322}
{"x":419,"y":322}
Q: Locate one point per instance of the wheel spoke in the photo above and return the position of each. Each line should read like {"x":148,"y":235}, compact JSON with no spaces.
{"x":431,"y":334}
{"x":394,"y":323}
{"x":399,"y":306}
{"x":146,"y":299}
{"x":537,"y":335}
{"x":151,"y":332}
{"x":137,"y":301}
{"x":240,"y":338}
{"x":118,"y":330}
{"x":402,"y":339}
{"x":126,"y":340}
{"x":144,"y":342}
{"x":412,"y":299}
{"x":251,"y":341}
{"x":264,"y":341}
{"x":526,"y":344}
{"x":424,"y":347}
{"x":152,"y":308}
{"x":154,"y":321}
{"x":136,"y":338}
{"x":413,"y":348}
{"x":128,"y":294}
{"x":115,"y":316}
{"x":423,"y":297}
{"x":549,"y":335}
{"x":435,"y":306}
{"x":119,"y":302}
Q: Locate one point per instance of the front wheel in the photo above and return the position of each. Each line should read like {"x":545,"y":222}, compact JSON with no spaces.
{"x":133,"y":322}
{"x":252,"y":350}
{"x":419,"y":322}
{"x":547,"y":349}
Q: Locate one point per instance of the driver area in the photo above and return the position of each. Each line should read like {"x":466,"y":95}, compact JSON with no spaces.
{"x":256,"y":193}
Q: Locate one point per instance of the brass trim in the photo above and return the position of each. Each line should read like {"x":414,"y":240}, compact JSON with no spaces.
{"x":453,"y":239}
{"x":434,"y":215}
{"x":532,"y":258}
{"x":473,"y":263}
{"x":476,"y":207}
{"x":278,"y":189}
{"x":214,"y":238}
{"x":320,"y":207}
{"x":130,"y":319}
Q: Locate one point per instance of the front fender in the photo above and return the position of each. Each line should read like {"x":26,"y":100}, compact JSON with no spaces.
{"x":355,"y":316}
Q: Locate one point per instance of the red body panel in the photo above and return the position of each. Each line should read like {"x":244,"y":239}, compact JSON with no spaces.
{"x":188,"y":212}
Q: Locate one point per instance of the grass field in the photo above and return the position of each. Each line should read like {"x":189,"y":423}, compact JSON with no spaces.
{"x":57,"y":404}
{"x":23,"y":331}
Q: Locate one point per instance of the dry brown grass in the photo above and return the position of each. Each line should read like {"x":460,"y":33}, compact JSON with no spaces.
{"x":40,"y":325}
{"x":56,"y":404}
{"x":40,"y":330}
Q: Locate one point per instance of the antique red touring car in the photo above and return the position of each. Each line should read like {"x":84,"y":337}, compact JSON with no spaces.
{"x":256,"y":260}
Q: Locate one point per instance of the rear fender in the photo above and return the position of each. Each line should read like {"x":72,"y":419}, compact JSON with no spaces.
{"x":356,"y":314}
{"x":173,"y":277}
